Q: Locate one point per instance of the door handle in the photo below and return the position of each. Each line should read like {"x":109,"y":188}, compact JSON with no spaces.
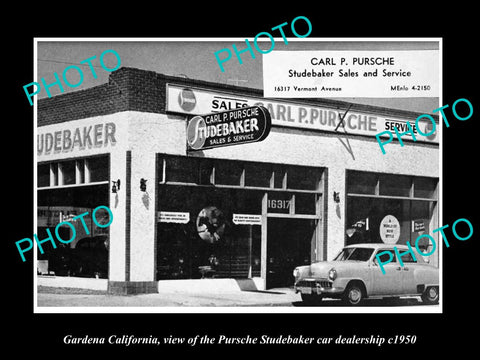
{"x":399,"y":268}
{"x":405,"y":268}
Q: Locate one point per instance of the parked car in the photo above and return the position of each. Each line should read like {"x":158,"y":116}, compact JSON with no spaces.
{"x":90,"y":257}
{"x":355,"y":274}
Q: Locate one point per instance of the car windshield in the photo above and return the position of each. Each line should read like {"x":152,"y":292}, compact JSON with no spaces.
{"x":354,"y":254}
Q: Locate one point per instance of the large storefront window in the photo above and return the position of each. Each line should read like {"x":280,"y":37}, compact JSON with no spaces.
{"x":389,"y":208}
{"x":87,"y":254}
{"x":213,"y":228}
{"x":67,"y":189}
{"x":210,"y":244}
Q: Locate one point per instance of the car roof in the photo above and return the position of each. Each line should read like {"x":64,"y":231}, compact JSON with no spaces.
{"x":377,"y":246}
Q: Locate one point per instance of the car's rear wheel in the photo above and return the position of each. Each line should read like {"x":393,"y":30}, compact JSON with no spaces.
{"x":353,"y":295}
{"x":431,"y":295}
{"x":311,"y":299}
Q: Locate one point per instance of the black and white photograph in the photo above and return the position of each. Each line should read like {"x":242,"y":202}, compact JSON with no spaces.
{"x":248,"y":182}
{"x":184,"y":182}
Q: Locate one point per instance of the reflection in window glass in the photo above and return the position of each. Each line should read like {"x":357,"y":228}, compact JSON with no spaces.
{"x":302,"y":178}
{"x":68,"y":172}
{"x":98,"y":167}
{"x":385,"y":257}
{"x":43,"y":175}
{"x":395,"y":185}
{"x":407,"y":258}
{"x":305,"y":204}
{"x":181,"y":169}
{"x":257,"y":174}
{"x":247,"y":202}
{"x":279,"y":175}
{"x":205,"y":172}
{"x":425,"y":187}
{"x":354,"y":254}
{"x":54,"y":172}
{"x":80,"y":164}
{"x":361,"y":182}
{"x":228,"y":173}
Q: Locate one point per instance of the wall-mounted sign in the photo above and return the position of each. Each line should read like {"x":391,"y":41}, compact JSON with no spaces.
{"x":210,"y":224}
{"x":247,"y":219}
{"x":292,"y":113}
{"x":78,"y":138}
{"x":389,"y":229}
{"x":173,"y":217}
{"x":233,"y":127}
{"x":187,"y":100}
{"x":418,"y":225}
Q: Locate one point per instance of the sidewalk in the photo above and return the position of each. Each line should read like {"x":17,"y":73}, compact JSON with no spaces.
{"x":48,"y":297}
{"x":205,"y":295}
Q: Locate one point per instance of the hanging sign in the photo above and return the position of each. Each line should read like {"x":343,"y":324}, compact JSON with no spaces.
{"x":173,"y":217}
{"x":233,"y":127}
{"x":389,"y":229}
{"x":247,"y":219}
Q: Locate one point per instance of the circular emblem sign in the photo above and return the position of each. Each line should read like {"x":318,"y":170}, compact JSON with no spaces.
{"x":210,"y":224}
{"x":187,"y":100}
{"x":389,"y":229}
{"x":196,"y":134}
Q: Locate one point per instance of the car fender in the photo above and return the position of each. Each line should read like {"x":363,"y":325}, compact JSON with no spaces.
{"x":344,"y":281}
{"x":427,"y":276}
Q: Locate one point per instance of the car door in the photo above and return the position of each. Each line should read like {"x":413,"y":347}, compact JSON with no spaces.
{"x":408,"y":274}
{"x":390,"y":282}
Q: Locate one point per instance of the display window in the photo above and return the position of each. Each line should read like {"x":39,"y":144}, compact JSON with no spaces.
{"x":387,"y":208}
{"x":209,"y":244}
{"x":199,"y":198}
{"x":67,"y":189}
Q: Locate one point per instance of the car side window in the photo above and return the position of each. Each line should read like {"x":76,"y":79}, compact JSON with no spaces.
{"x":408,"y":258}
{"x":384,"y":257}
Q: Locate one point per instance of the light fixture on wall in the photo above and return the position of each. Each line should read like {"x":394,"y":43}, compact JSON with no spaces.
{"x":336,"y":197}
{"x":115,"y":186}
{"x":143,"y":184}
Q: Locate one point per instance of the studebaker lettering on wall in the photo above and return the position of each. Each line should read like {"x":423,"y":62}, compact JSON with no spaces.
{"x":354,"y":275}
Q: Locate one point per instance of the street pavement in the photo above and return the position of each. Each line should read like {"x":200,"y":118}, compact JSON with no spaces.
{"x":284,"y":297}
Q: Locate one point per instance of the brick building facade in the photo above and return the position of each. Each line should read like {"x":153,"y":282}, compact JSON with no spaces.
{"x":312,"y":187}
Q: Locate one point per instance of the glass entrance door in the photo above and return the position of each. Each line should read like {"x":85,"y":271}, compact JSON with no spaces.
{"x":289,"y":244}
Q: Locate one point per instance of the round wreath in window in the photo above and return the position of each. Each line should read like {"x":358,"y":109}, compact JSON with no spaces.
{"x":210,"y":224}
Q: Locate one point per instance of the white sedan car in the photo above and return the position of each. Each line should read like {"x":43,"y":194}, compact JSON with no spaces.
{"x":355,"y":274}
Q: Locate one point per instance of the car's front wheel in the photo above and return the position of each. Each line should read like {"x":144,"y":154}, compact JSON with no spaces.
{"x":353,"y":295}
{"x":311,"y":299}
{"x":431,"y":295}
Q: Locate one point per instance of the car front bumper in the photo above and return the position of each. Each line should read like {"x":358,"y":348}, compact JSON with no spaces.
{"x":317,"y":287}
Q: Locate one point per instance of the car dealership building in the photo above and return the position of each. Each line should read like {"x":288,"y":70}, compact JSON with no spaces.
{"x":249,"y":211}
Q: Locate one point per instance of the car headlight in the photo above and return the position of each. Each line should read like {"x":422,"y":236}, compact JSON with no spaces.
{"x":332,"y":274}
{"x":296,"y":272}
